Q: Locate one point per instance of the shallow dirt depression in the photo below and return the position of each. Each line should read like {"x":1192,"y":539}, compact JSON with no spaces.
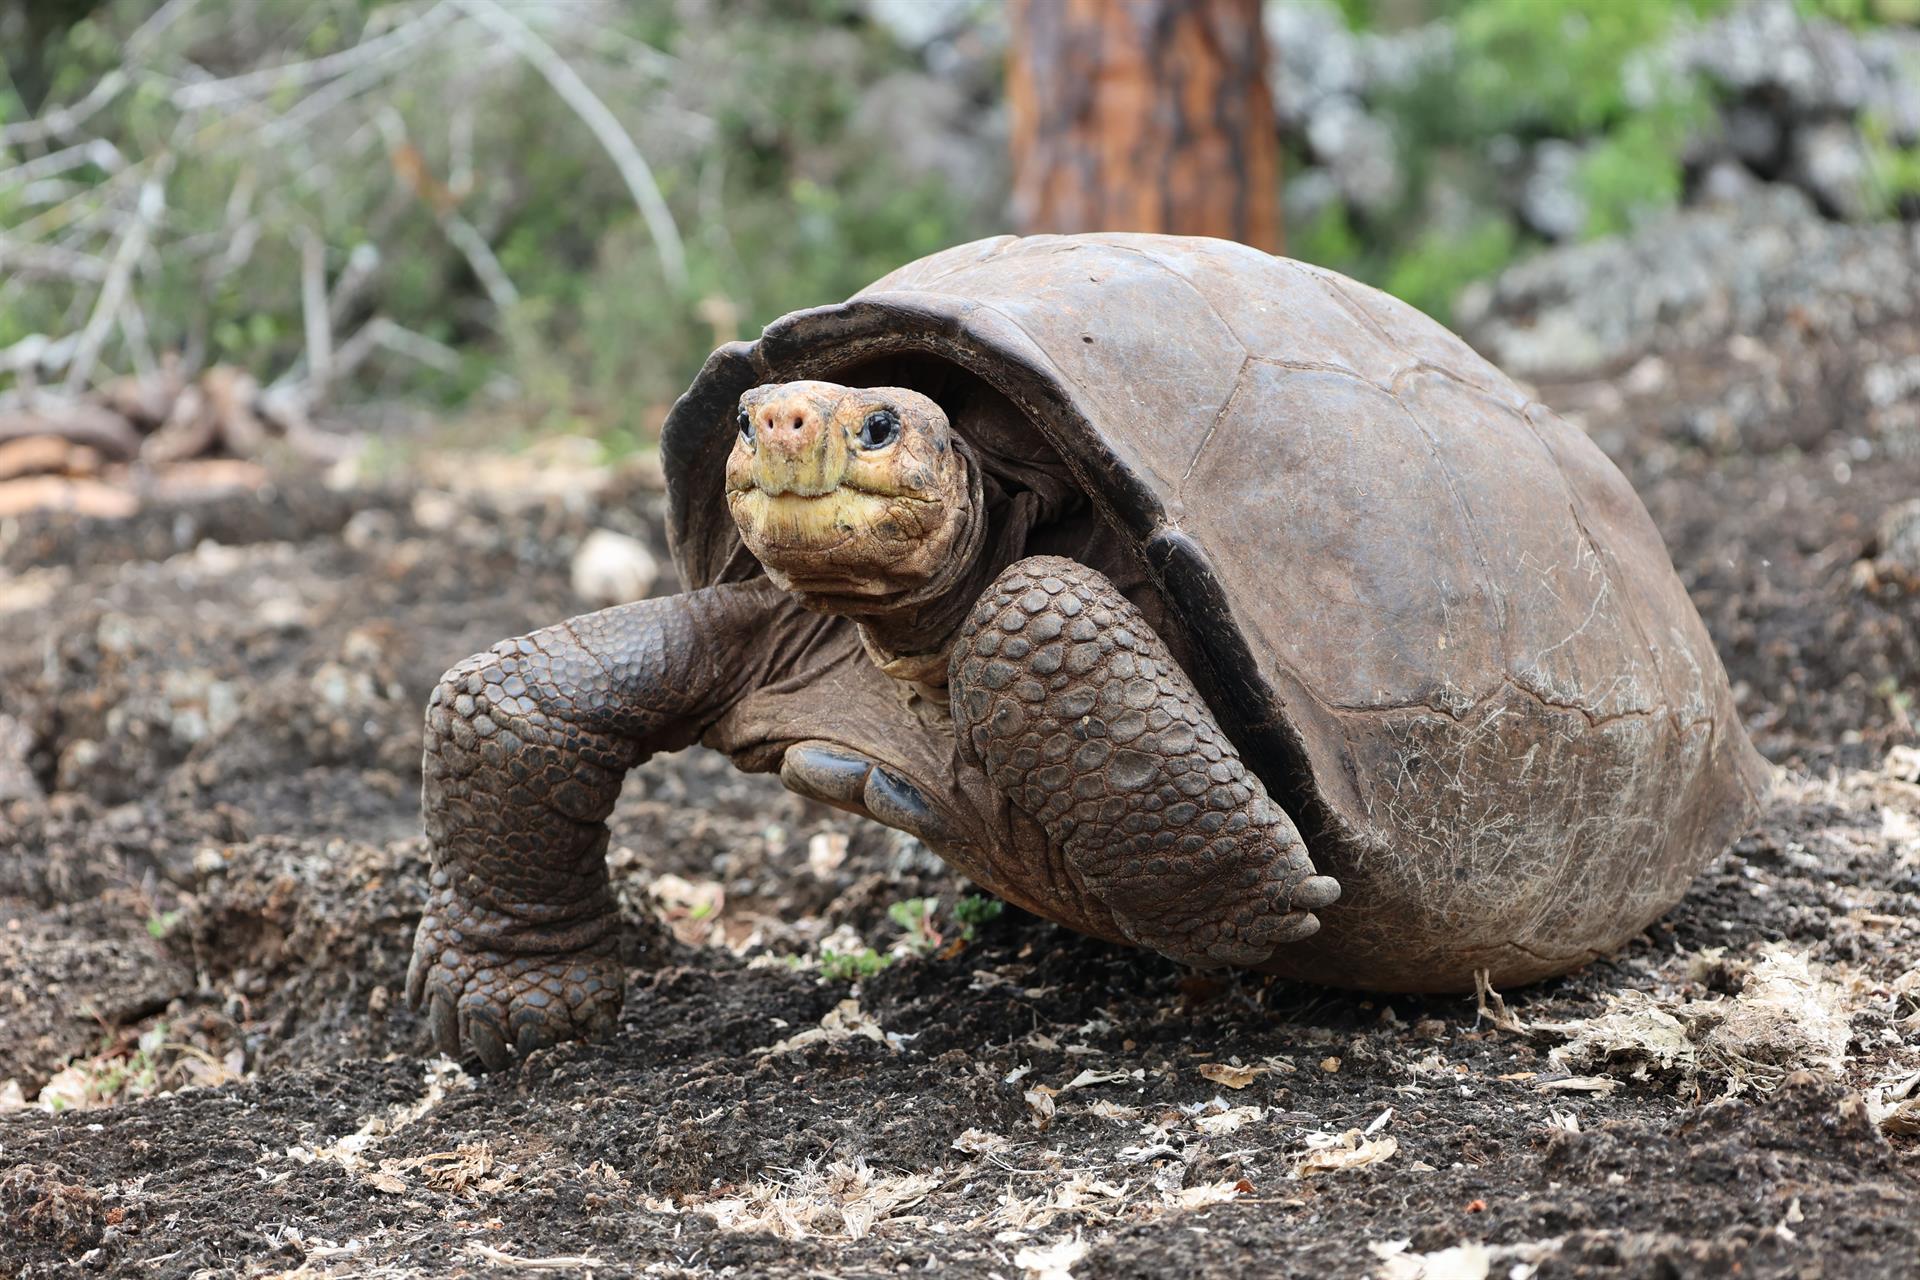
{"x":209,"y":740}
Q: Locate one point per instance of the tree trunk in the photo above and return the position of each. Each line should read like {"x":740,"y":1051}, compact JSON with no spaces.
{"x":1143,"y":115}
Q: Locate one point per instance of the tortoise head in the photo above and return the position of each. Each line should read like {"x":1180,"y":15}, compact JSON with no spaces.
{"x":847,"y":494}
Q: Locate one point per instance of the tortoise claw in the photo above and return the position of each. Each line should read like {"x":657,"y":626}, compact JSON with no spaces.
{"x":832,"y":775}
{"x":440,"y":1018}
{"x":859,"y":784}
{"x":502,"y":1004}
{"x":479,"y":1029}
{"x":1315,"y":892}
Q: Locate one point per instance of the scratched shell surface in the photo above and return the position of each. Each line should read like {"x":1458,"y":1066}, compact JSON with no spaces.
{"x":1433,"y":614}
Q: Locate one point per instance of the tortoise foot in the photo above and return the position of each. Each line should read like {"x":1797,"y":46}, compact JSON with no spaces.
{"x":499,"y":989}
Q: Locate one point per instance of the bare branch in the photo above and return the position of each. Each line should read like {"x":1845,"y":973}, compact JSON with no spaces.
{"x":62,"y":121}
{"x":133,"y":331}
{"x":486,"y":267}
{"x":418,"y":346}
{"x":313,"y":307}
{"x":80,"y":421}
{"x":296,"y":394}
{"x":50,"y":261}
{"x":362,"y":261}
{"x":113,"y":292}
{"x":95,"y":151}
{"x":163,"y":17}
{"x":626,"y":157}
{"x":463,"y":235}
{"x":67,"y":213}
{"x":255,"y":84}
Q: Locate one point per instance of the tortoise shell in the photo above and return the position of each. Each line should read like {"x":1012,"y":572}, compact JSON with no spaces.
{"x":1433,"y":616}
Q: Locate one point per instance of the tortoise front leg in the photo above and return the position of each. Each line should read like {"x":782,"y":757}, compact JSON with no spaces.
{"x":527,"y":745}
{"x":1072,"y":705}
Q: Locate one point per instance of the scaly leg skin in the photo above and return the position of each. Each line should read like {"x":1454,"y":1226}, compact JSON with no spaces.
{"x":527,"y":745}
{"x":1072,"y":705}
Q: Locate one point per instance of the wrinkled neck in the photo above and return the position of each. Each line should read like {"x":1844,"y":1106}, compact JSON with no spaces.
{"x":910,"y":635}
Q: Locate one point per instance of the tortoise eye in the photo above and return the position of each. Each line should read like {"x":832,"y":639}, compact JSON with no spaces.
{"x":744,"y":421}
{"x":880,"y":429}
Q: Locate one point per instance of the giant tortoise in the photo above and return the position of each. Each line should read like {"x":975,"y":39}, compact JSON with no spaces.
{"x":1184,"y":595}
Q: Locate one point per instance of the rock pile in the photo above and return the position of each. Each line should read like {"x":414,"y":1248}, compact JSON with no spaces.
{"x":1797,"y":100}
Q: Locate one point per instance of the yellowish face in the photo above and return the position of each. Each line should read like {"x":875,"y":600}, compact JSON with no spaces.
{"x":846,"y":494}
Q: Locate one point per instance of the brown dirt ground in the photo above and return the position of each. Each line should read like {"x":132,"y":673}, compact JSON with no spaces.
{"x":208,"y":774}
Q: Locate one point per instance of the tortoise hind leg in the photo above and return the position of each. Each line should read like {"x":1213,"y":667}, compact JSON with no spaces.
{"x":1074,"y":708}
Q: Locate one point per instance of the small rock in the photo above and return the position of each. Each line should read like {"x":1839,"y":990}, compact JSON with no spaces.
{"x":1830,"y":161}
{"x":1726,"y":182}
{"x":434,"y":511}
{"x":611,"y":568}
{"x":1359,"y":151}
{"x":1899,"y":540}
{"x":1551,"y":199}
{"x":371,"y":530}
{"x":16,"y":774}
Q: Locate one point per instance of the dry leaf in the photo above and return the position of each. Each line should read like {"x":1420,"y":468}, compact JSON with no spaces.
{"x":1205,"y":1194}
{"x":1227,"y":1121}
{"x":1350,"y":1150}
{"x":842,"y":1201}
{"x":1051,"y":1262}
{"x":1788,"y":1016}
{"x":978,"y":1142}
{"x":1229,"y":1075}
{"x":1636,"y":1027}
{"x":1602,"y":1085}
{"x":844,"y":1021}
{"x":1091,"y":1077}
{"x":1895,"y":1106}
{"x":1461,"y":1262}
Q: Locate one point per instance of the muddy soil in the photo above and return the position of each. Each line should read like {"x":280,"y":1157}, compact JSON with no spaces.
{"x":209,"y":725}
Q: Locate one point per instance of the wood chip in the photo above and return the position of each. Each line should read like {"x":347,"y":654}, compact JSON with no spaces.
{"x":40,"y":455}
{"x":77,"y":422}
{"x":56,"y":493}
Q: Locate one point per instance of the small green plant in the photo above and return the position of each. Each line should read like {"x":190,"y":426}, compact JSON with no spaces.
{"x":852,"y":967}
{"x":915,"y":916}
{"x":162,"y":923}
{"x":1893,"y":168}
{"x":974,"y":910}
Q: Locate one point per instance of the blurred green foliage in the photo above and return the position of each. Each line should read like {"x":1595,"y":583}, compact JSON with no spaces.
{"x":1863,"y":13}
{"x":1523,"y":69}
{"x":1895,"y":170}
{"x":749,"y":113}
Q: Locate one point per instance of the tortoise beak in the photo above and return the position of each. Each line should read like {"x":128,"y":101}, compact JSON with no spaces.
{"x":796,"y":448}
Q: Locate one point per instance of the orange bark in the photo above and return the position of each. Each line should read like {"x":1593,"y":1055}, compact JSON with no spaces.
{"x":1143,"y":115}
